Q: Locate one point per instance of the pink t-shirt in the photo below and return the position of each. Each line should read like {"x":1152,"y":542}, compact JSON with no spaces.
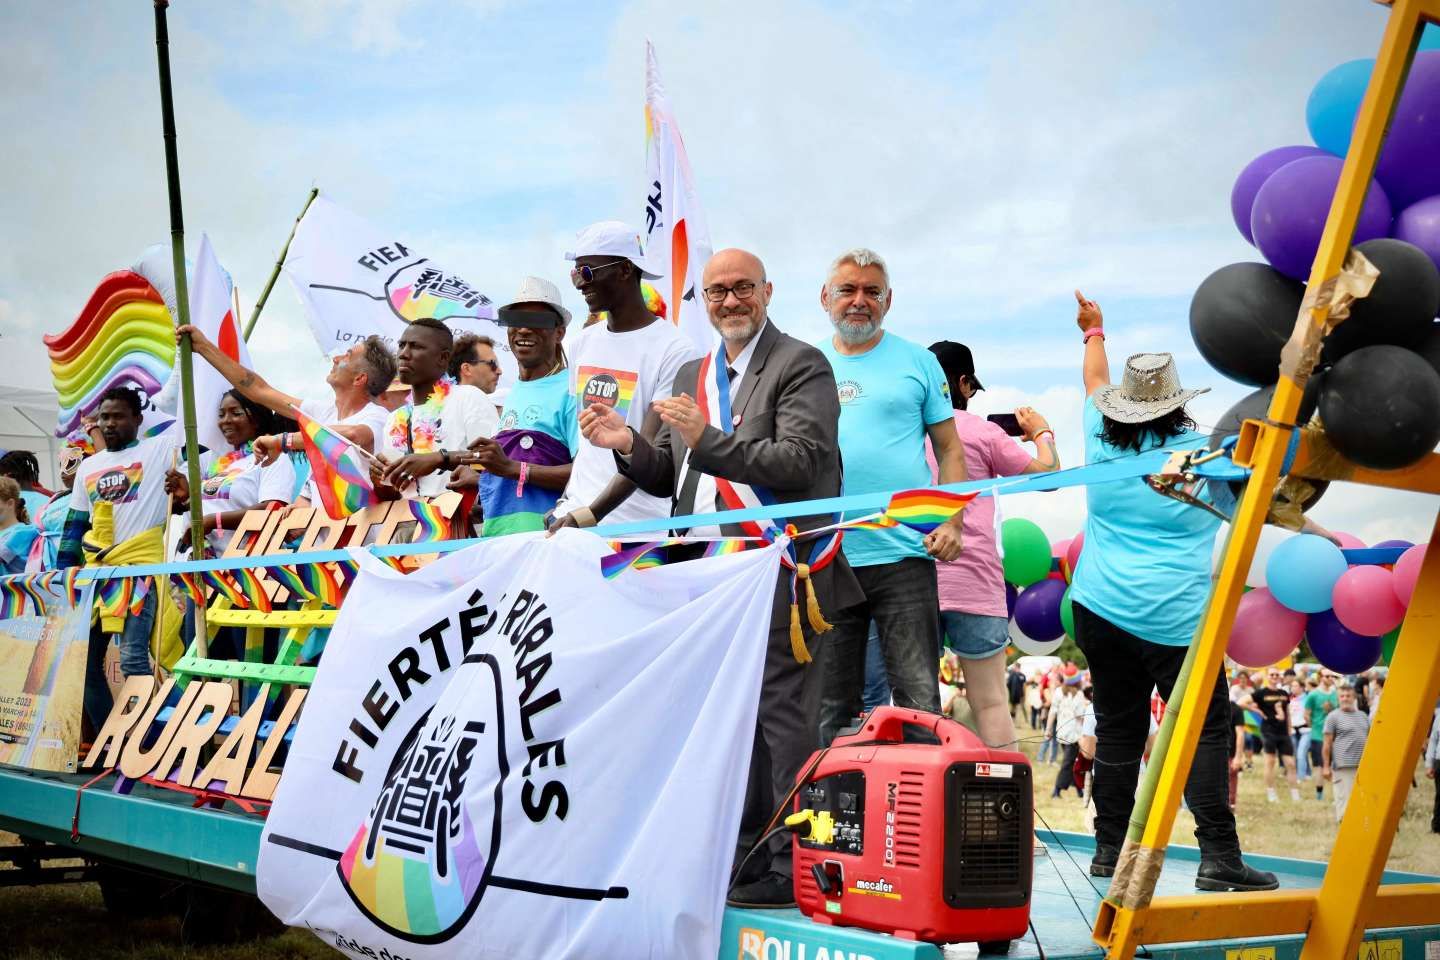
{"x":974,"y":583}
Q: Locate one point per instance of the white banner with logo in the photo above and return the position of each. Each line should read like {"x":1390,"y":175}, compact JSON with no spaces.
{"x":505,"y":755}
{"x":355,"y":279}
{"x":677,"y":240}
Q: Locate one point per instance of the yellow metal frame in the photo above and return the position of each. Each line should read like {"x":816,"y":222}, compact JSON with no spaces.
{"x":1350,"y":898}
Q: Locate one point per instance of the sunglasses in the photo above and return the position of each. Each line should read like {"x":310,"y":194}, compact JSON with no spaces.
{"x":492,"y":364}
{"x":585,"y":273}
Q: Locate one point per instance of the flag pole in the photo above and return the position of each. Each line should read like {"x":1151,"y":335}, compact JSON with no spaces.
{"x":279,"y":262}
{"x":182,"y":295}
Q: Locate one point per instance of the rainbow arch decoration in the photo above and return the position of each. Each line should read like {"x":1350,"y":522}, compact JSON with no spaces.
{"x":123,"y":337}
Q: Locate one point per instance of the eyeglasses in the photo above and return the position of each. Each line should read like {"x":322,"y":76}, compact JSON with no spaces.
{"x":585,"y":273}
{"x":492,"y":364}
{"x":743,"y":290}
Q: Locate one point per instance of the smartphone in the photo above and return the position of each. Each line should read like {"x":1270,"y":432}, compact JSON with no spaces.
{"x":1007,"y":422}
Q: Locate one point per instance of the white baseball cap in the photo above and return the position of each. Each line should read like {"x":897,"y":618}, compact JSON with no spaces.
{"x":611,"y":238}
{"x":532,"y":290}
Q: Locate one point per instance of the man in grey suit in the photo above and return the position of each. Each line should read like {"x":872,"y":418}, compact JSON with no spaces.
{"x":783,"y":437}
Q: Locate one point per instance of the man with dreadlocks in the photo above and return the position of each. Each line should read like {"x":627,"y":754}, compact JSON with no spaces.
{"x":22,"y":467}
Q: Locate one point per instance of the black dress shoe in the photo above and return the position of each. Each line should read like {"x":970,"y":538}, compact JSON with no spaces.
{"x":773,"y":891}
{"x":1103,"y":863}
{"x":1231,"y":875}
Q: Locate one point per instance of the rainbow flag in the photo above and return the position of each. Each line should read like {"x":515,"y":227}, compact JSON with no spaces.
{"x":34,"y":591}
{"x":72,"y":588}
{"x":345,"y":572}
{"x":226,"y":587}
{"x":249,"y":582}
{"x":12,"y":600}
{"x":725,"y":547}
{"x":431,"y":524}
{"x":926,"y":509}
{"x":1252,"y":722}
{"x":289,"y":578}
{"x":643,"y":556}
{"x":340,"y":473}
{"x":190,"y":584}
{"x":112,"y":598}
{"x":139,"y":590}
{"x":320,"y":583}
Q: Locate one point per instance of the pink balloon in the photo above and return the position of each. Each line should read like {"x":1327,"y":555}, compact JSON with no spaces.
{"x":1407,"y":571}
{"x":1365,"y":601}
{"x":1057,"y":552}
{"x":1072,"y":553}
{"x":1265,"y":630}
{"x":1348,"y":541}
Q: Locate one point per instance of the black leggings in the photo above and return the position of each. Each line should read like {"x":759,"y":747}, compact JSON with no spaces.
{"x":1124,"y":668}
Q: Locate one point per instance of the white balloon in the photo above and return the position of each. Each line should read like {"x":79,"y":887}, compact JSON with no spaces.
{"x":1035,"y":648}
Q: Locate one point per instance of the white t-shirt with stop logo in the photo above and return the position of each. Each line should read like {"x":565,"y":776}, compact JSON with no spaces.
{"x":626,"y":371}
{"x":131,"y":481}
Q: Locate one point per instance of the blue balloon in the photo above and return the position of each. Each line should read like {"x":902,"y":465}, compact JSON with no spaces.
{"x":1333,"y":104}
{"x":1302,"y":571}
{"x":1430,"y":37}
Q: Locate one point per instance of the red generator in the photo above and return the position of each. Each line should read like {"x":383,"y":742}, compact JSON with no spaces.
{"x":925,"y":841}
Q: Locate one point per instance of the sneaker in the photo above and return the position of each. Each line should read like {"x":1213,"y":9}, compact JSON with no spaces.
{"x":1294,"y":796}
{"x":1103,"y":863}
{"x":774,"y":891}
{"x":1271,"y":796}
{"x":1232,"y":875}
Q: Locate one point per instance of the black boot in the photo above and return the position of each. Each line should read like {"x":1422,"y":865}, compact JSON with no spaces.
{"x":771,"y":892}
{"x":1103,"y":863}
{"x":1233,"y":874}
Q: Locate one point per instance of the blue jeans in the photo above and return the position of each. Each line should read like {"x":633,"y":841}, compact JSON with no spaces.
{"x":1049,"y":748}
{"x":974,"y":636}
{"x":877,"y":686}
{"x":1302,"y":756}
{"x":134,"y":659}
{"x":904,"y":601}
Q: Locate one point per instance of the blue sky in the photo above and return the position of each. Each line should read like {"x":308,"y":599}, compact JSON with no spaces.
{"x":998,"y":155}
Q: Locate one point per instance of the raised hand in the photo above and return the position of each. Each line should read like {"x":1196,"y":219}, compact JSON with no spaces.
{"x":1087,"y":314}
{"x":602,"y":426}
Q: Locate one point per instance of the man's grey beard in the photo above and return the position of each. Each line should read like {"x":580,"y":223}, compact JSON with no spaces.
{"x":743,"y":335}
{"x":855,"y":333}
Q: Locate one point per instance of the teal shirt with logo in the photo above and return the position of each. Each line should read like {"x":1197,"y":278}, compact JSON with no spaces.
{"x":889,"y":395}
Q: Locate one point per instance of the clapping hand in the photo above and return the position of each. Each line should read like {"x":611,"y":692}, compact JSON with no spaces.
{"x":684,"y":417}
{"x":605,"y":428}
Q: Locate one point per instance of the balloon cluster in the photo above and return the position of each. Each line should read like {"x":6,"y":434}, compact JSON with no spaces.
{"x":1377,"y":386}
{"x":1037,"y":585}
{"x":1349,"y":613}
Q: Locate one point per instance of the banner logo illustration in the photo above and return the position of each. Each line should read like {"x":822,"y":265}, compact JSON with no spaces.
{"x":416,"y":289}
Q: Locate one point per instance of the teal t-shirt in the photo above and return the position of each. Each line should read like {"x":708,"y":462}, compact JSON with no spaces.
{"x":1315,"y":702}
{"x":547,"y":405}
{"x":1146,"y":562}
{"x":888,"y":396}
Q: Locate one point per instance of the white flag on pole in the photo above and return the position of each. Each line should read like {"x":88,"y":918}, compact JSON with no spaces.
{"x":212,"y":312}
{"x":506,"y":755}
{"x":677,"y":239}
{"x":355,"y":279}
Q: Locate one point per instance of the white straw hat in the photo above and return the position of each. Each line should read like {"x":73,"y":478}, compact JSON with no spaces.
{"x":1150,"y":389}
{"x":532,"y":290}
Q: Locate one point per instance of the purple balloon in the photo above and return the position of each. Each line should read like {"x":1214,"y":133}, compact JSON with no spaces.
{"x":1011,"y":595}
{"x":1393,"y":544}
{"x":1419,"y":224}
{"x":1408,"y":168}
{"x":1291,"y":207}
{"x":1256,"y":172}
{"x":1037,"y":610}
{"x":1339,"y":648}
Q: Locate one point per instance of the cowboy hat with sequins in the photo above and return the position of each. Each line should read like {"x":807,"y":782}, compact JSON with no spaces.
{"x":1150,"y":389}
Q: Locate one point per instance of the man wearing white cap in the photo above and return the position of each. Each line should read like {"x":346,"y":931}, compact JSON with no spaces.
{"x":625,"y":363}
{"x":527,"y":464}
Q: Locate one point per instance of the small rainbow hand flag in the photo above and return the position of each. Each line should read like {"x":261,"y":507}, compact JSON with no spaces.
{"x":926,"y":509}
{"x":191,"y":586}
{"x":340,"y":473}
{"x":34,"y":589}
{"x":431,"y":524}
{"x":12,"y":600}
{"x":878,"y":522}
{"x":1252,"y":722}
{"x":725,"y":547}
{"x":138,"y":593}
{"x":112,"y":598}
{"x":226,"y":587}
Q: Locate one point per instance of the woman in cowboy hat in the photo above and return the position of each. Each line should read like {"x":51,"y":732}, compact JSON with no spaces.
{"x":1139,"y":590}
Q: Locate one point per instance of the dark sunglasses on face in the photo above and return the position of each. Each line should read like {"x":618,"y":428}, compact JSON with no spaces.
{"x":585,"y":273}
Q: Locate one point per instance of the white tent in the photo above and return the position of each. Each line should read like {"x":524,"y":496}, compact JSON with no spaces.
{"x":27,"y":422}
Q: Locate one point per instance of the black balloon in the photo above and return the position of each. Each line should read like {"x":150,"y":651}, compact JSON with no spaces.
{"x":1241,"y":316}
{"x":1255,"y":406}
{"x":1381,"y":407}
{"x":1401,"y":307}
{"x":1430,"y":347}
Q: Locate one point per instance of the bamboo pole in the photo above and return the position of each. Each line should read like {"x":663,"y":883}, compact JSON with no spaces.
{"x":182,"y":293}
{"x":279,"y":262}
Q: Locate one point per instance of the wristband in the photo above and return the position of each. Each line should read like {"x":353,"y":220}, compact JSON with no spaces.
{"x":524,"y":472}
{"x":1093,"y":332}
{"x":284,"y":443}
{"x":584,"y":517}
{"x":1036,"y":438}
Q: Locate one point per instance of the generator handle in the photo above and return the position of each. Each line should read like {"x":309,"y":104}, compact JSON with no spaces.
{"x":887,"y":724}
